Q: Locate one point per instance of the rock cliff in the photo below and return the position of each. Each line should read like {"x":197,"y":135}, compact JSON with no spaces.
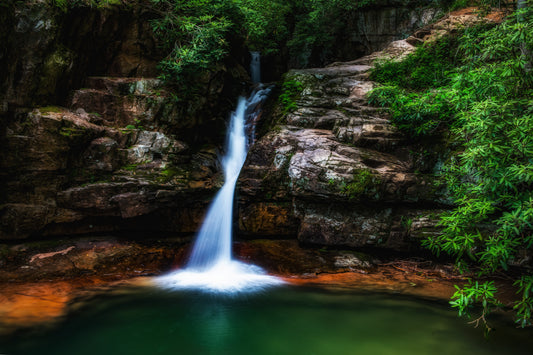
{"x":334,"y":171}
{"x":100,"y":167}
{"x":91,"y":141}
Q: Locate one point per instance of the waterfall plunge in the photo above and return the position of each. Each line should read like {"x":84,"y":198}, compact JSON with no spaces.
{"x":211,"y":267}
{"x":213,"y":243}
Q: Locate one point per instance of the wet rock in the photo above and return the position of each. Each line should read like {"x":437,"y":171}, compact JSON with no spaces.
{"x":103,"y":155}
{"x":18,"y":220}
{"x":269,"y":219}
{"x":122,"y":102}
{"x":153,"y":146}
{"x":348,"y":227}
{"x":127,"y":157}
{"x":350,"y":261}
{"x":287,"y":257}
{"x":368,"y":29}
{"x":67,"y":170}
{"x":414,"y":41}
{"x":87,"y":256}
{"x":343,"y":173}
{"x":134,"y":204}
{"x":396,"y":50}
{"x":49,"y":51}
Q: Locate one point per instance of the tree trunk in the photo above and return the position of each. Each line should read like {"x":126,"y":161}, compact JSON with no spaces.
{"x":526,"y":53}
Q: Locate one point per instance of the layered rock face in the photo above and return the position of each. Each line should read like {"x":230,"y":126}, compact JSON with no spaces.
{"x":48,"y":52}
{"x":103,"y":153}
{"x":91,"y":142}
{"x":334,"y":171}
{"x":366,"y":30}
{"x":373,"y":27}
{"x":102,"y":166}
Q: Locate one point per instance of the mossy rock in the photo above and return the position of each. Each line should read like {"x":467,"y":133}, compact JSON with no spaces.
{"x":364,"y":184}
{"x":50,"y":109}
{"x":54,"y":68}
{"x":71,"y":132}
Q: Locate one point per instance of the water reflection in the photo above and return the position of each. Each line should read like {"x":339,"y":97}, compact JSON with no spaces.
{"x":287,"y":320}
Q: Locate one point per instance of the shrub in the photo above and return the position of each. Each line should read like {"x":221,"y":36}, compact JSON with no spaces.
{"x":428,"y":67}
{"x":290,"y":91}
{"x":486,"y":104}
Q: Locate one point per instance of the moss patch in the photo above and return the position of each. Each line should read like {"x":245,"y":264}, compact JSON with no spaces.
{"x":364,"y":183}
{"x":71,"y":132}
{"x":50,"y":109}
{"x":290,"y":92}
{"x":130,"y":167}
{"x":170,"y":173}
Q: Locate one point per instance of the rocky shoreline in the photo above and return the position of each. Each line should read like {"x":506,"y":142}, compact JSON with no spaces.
{"x":41,"y":284}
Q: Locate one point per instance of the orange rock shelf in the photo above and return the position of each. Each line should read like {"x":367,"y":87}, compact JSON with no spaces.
{"x":42,"y":303}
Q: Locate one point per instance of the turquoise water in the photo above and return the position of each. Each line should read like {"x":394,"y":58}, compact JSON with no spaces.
{"x":286,"y":320}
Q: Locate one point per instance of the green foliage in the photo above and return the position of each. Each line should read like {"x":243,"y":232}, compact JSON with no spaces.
{"x":363,"y":183}
{"x":171,"y":173}
{"x":71,"y":132}
{"x":483,"y":6}
{"x":524,"y":307}
{"x":459,"y":4}
{"x":486,"y":103}
{"x":194,"y":35}
{"x":474,"y":293}
{"x":130,"y":167}
{"x":51,"y":109}
{"x":318,"y":23}
{"x":290,"y":91}
{"x":406,"y":223}
{"x":68,"y":4}
{"x":417,"y":114}
{"x":429,"y":66}
{"x":265,"y":23}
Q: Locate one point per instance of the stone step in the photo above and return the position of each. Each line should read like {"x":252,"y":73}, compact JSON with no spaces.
{"x":335,"y":72}
{"x":313,"y":117}
{"x":124,"y":86}
{"x":379,"y":136}
{"x":321,"y":118}
{"x":137,"y":110}
{"x":121,"y":102}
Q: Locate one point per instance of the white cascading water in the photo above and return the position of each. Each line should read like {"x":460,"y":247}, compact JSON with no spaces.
{"x":255,"y":67}
{"x":211,"y":267}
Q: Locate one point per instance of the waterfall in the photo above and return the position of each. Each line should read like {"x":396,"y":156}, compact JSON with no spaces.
{"x":255,"y":67}
{"x":213,"y":243}
{"x":211,"y":267}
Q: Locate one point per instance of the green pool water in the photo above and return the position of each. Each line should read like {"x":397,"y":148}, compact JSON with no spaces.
{"x":284,"y":320}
